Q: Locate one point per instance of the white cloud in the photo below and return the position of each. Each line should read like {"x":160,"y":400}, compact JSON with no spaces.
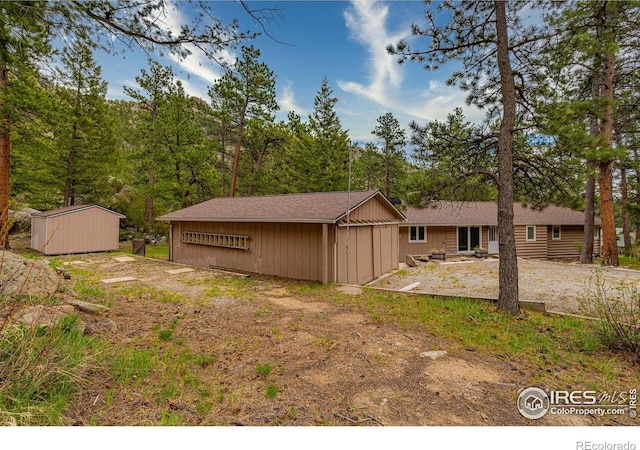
{"x":366,"y":22}
{"x":439,"y":100}
{"x":197,"y":63}
{"x":287,"y":101}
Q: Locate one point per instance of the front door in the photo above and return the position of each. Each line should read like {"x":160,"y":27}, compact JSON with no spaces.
{"x":468,"y":239}
{"x":493,"y":240}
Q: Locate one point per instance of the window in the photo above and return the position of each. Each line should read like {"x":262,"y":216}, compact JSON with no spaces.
{"x":531,"y":233}
{"x":555,"y":232}
{"x":216,"y":240}
{"x":417,"y":234}
{"x":468,"y":238}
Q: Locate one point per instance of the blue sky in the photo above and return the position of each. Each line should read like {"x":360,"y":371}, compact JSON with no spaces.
{"x":342,"y":40}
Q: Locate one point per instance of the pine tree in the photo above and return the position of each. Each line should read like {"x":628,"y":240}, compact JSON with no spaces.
{"x":28,"y":26}
{"x":494,"y":50}
{"x":393,"y":139}
{"x":84,"y":141}
{"x":246,"y":93}
{"x":319,"y":151}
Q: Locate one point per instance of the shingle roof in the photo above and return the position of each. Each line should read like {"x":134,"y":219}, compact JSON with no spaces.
{"x":319,"y":207}
{"x":486,"y":213}
{"x":70,"y":209}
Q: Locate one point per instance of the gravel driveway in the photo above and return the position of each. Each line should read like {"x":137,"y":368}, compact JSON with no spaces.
{"x":560,"y":285}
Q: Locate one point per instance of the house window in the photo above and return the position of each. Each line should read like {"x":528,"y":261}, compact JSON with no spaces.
{"x":216,"y":240}
{"x":555,"y":232}
{"x":417,"y":234}
{"x":469,"y":238}
{"x":531,"y":233}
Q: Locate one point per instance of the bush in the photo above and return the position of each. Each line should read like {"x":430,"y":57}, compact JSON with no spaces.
{"x":618,"y":312}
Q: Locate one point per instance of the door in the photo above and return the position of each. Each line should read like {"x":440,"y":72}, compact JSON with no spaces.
{"x":493,"y":240}
{"x":468,"y":239}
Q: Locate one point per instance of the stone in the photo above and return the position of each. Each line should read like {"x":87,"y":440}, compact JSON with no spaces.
{"x":434,"y":354}
{"x":23,"y":276}
{"x":410,"y":260}
{"x":21,"y":220}
{"x":91,"y":308}
{"x":104,"y":324}
{"x":45,"y":316}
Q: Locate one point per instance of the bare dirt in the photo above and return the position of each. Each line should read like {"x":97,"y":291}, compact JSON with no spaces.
{"x":333,"y":363}
{"x":561,"y":286}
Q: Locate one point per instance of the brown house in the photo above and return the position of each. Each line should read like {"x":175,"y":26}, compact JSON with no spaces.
{"x":460,"y":227}
{"x":75,"y":229}
{"x":327,"y":237}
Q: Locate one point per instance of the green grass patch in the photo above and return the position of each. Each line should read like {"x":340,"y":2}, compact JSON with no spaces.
{"x":630,"y":262}
{"x":264,"y":370}
{"x":157,"y":251}
{"x":272,"y":390}
{"x":43,"y":369}
{"x":132,"y":365}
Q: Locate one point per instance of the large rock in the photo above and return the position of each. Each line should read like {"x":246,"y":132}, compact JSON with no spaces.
{"x":23,"y":276}
{"x":21,"y":220}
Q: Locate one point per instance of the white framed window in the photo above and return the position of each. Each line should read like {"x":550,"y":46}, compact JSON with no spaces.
{"x":531,"y":233}
{"x":555,"y":232}
{"x":417,"y":234}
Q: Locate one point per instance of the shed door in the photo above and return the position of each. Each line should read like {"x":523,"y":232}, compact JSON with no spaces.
{"x":355,"y":258}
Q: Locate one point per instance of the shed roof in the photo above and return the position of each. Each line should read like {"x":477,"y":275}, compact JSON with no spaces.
{"x":486,"y":213}
{"x":317,"y":207}
{"x":71,"y":209}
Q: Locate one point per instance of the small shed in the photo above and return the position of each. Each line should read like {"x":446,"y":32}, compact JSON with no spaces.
{"x":75,"y":229}
{"x":344,"y":237}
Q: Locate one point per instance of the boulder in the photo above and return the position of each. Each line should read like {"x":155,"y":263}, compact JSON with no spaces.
{"x":43,"y":316}
{"x":411,"y":261}
{"x":23,"y":276}
{"x":21,"y":220}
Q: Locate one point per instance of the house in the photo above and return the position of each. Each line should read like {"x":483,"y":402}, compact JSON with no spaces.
{"x":460,"y":227}
{"x":75,"y":229}
{"x":345,"y":237}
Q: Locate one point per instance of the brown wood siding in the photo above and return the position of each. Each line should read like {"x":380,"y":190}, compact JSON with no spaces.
{"x":571,"y":237}
{"x":291,"y":250}
{"x":436,"y":237}
{"x":83,"y":231}
{"x":484,"y":236}
{"x":451,"y":240}
{"x":372,"y":211}
{"x":534,"y":249}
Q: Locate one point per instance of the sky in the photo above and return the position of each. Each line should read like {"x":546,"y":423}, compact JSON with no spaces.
{"x":344,"y":41}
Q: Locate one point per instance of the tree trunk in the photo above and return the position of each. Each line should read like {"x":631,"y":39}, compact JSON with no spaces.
{"x":624,"y":201}
{"x":586,"y":254}
{"x":609,"y":241}
{"x":508,"y":269}
{"x":148,"y":210}
{"x":236,"y":160}
{"x":68,"y":182}
{"x":605,"y":165}
{"x":5,"y":165}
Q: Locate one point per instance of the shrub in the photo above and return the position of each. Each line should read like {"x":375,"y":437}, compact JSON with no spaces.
{"x":618,"y":312}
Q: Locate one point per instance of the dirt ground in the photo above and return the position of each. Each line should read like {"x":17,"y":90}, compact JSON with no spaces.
{"x":560,"y":285}
{"x":333,"y":363}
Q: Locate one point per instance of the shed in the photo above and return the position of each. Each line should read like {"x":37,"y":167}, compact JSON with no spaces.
{"x":75,"y":229}
{"x":344,"y":237}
